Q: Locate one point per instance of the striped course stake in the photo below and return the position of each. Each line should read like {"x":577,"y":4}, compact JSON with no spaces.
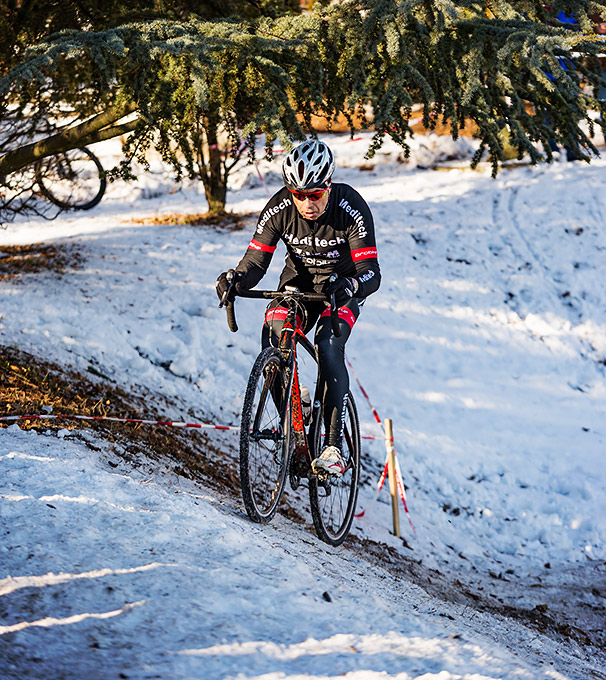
{"x":391,"y":475}
{"x":389,"y":440}
{"x":400,"y":487}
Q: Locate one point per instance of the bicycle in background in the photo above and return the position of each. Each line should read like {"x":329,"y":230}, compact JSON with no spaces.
{"x":278,"y":439}
{"x":72,"y":180}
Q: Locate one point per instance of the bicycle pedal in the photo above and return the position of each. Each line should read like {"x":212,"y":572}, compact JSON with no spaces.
{"x":322,"y":476}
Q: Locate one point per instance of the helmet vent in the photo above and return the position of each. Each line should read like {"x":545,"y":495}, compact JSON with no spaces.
{"x":308,"y":166}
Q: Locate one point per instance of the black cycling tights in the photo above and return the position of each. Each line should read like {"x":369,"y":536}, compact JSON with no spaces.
{"x":330,"y":352}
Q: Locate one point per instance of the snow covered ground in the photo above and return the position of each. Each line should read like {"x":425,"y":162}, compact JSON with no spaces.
{"x":486,"y":346}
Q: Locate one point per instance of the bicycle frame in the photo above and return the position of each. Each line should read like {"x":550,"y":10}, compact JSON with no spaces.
{"x":290,"y":336}
{"x":275,"y":443}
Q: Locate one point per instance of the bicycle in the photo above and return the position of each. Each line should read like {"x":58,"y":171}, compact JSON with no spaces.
{"x":278,"y":441}
{"x":72,"y":180}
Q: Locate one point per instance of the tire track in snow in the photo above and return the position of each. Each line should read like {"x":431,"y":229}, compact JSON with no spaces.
{"x":505,"y":214}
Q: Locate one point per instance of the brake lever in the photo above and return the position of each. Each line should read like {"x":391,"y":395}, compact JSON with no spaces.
{"x":230,"y":275}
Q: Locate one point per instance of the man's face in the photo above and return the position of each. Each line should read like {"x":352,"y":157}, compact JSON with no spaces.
{"x":309,"y":208}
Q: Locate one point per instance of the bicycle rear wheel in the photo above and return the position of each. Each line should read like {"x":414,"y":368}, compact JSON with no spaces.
{"x":264,"y":437}
{"x":73,"y":180}
{"x":333,"y":499}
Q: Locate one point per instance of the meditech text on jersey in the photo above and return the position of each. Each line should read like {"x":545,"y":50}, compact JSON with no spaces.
{"x":272,"y":211}
{"x":319,"y":242}
{"x":356,"y":216}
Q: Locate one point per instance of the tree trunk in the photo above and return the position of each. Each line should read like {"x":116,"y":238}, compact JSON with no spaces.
{"x":216,"y":196}
{"x":215,"y":179}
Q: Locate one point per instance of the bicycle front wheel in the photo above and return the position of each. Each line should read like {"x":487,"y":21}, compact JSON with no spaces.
{"x":333,"y":499}
{"x":264,"y":437}
{"x":73,"y":180}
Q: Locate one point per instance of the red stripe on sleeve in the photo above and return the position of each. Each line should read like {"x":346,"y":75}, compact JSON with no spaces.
{"x":364,"y":254}
{"x":255,"y":245}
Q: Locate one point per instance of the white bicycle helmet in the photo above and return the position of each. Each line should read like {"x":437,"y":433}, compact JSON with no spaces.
{"x":308,"y":166}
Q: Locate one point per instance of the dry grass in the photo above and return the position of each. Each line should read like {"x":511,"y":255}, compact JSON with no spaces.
{"x":444,"y":128}
{"x":30,"y":385}
{"x":16,"y":261}
{"x":227,"y":221}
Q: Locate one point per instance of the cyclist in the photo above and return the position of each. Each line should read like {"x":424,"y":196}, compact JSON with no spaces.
{"x":327,"y":229}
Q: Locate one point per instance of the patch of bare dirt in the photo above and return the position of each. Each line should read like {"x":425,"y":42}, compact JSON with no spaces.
{"x":30,"y":385}
{"x":15,"y":261}
{"x":227,"y":221}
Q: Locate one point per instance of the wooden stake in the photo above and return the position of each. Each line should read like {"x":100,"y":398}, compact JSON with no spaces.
{"x":391,"y":471}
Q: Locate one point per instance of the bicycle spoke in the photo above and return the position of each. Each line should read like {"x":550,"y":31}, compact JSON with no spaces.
{"x":263,"y":450}
{"x":333,"y":499}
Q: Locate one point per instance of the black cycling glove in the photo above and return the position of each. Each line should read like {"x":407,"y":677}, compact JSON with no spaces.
{"x":223,"y":283}
{"x":343,"y":287}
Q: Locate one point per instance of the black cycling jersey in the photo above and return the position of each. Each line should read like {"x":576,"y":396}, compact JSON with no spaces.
{"x":341,"y":240}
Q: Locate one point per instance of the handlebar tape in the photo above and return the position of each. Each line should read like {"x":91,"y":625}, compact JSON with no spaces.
{"x":231,"y":316}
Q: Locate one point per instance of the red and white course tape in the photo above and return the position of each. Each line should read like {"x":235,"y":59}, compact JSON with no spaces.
{"x":136,"y":421}
{"x":207,"y":426}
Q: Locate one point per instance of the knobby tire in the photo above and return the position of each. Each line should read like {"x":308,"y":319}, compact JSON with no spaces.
{"x":264,"y":437}
{"x":333,"y":501}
